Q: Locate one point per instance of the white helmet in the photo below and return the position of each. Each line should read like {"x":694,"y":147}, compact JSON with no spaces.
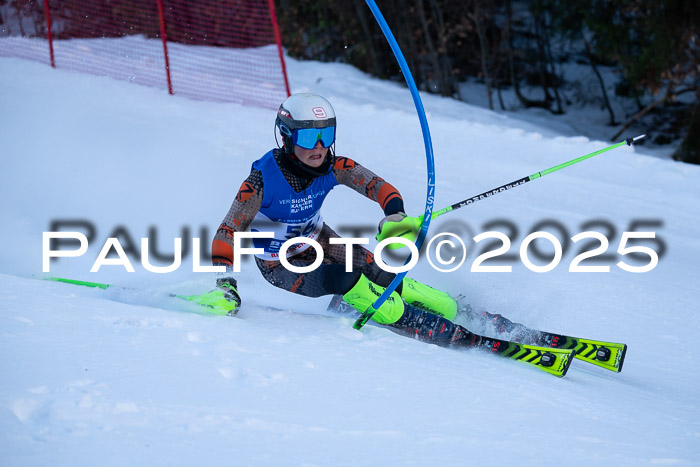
{"x":302,"y":111}
{"x":305,"y":119}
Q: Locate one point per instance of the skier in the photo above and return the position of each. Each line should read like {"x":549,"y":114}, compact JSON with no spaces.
{"x":283,"y":194}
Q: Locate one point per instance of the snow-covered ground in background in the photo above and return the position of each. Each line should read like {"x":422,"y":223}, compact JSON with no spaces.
{"x":583,"y":110}
{"x":93,"y":376}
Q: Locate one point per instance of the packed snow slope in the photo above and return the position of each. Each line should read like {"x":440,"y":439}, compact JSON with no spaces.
{"x":130,"y":378}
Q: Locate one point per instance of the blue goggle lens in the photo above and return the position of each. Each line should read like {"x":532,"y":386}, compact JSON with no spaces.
{"x":308,"y":137}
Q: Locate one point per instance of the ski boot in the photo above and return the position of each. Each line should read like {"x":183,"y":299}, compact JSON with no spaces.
{"x":515,"y":332}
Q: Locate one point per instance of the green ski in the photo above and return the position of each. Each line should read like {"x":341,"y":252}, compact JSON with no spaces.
{"x":608,"y":355}
{"x":213,"y":301}
{"x":551,"y":360}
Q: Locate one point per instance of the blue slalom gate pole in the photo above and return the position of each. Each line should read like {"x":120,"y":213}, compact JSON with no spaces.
{"x":430,"y":197}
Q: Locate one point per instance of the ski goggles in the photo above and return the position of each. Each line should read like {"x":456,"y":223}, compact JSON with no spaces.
{"x":308,"y":137}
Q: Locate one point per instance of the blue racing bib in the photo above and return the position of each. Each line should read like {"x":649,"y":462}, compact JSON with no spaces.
{"x":286,"y":213}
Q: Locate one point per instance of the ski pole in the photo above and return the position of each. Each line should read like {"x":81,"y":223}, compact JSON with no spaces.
{"x":410,"y":225}
{"x":508,"y":186}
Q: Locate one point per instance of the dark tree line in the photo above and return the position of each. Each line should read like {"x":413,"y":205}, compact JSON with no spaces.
{"x":654,"y":46}
{"x":520,"y":45}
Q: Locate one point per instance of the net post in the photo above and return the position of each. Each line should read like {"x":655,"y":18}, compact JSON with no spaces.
{"x":164,"y":37}
{"x":47,"y":14}
{"x":278,"y":39}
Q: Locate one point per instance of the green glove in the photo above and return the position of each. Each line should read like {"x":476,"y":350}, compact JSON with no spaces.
{"x":398,"y":225}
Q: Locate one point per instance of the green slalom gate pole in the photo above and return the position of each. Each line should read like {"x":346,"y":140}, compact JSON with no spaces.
{"x":529,"y":178}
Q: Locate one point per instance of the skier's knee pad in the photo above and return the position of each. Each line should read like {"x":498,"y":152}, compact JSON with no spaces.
{"x":364,"y":293}
{"x":429,"y":299}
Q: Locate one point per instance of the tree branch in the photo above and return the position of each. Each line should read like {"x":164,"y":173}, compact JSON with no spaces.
{"x":667,"y":96}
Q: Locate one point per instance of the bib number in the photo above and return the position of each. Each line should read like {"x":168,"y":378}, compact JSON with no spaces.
{"x":301,"y":230}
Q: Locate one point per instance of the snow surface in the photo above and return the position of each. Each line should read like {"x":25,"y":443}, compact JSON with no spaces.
{"x":584,"y":111}
{"x":120,"y":378}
